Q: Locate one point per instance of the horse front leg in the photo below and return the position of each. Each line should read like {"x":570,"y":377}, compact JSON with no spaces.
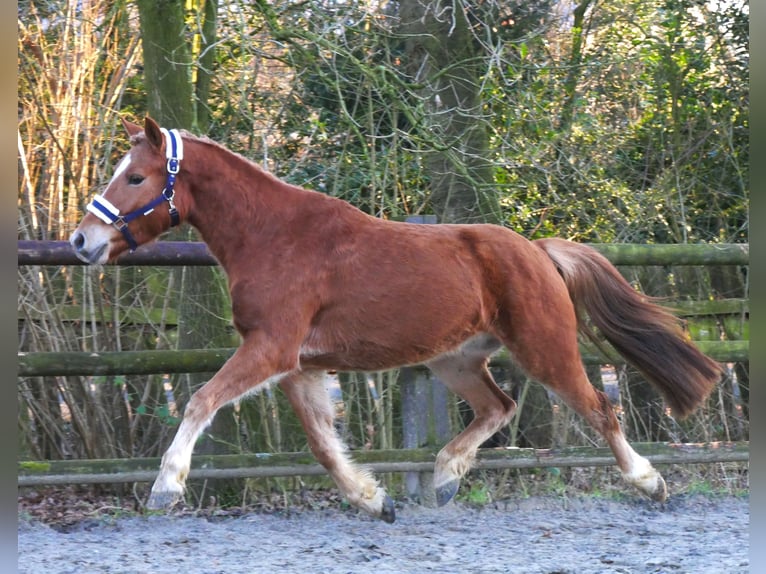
{"x":311,"y":402}
{"x":249,"y":370}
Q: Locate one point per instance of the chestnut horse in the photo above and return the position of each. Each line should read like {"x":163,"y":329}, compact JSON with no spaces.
{"x":318,"y":285}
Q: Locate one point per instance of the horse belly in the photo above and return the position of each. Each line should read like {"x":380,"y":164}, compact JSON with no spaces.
{"x":370,"y":344}
{"x":368,"y":356}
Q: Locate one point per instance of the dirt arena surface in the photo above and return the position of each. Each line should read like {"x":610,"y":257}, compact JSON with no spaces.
{"x":694,"y":534}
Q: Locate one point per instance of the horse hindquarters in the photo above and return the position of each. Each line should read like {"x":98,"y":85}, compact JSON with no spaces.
{"x":538,"y":325}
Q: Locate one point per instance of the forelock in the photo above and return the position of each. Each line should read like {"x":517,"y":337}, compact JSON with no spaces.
{"x":137,"y":138}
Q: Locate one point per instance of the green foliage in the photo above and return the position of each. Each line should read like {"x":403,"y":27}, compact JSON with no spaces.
{"x":478,"y":494}
{"x":657,"y":140}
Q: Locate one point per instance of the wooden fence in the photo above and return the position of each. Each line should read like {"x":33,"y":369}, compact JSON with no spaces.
{"x":410,"y":460}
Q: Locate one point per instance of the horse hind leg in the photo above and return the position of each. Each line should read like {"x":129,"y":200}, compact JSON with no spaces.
{"x":562,"y":372}
{"x":595,"y":407}
{"x":311,"y":402}
{"x":468,"y":377}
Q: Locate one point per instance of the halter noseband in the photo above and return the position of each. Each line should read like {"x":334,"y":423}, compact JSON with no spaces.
{"x":108,"y":213}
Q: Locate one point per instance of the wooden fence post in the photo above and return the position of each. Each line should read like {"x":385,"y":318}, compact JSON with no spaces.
{"x":425,"y":414}
{"x":425,"y":422}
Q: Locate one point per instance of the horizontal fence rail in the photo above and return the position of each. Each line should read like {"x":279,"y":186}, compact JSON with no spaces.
{"x":264,"y":465}
{"x":107,"y":363}
{"x":176,"y":253}
{"x":172,"y":253}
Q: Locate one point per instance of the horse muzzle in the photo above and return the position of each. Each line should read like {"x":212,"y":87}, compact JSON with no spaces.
{"x":91,"y":251}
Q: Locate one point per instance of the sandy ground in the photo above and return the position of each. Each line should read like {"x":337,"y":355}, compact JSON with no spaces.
{"x":689,"y":534}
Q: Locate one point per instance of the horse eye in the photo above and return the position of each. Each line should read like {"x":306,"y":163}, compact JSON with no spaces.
{"x":135,"y":179}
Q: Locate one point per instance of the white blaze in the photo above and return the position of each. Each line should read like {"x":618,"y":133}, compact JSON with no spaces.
{"x":123,"y":165}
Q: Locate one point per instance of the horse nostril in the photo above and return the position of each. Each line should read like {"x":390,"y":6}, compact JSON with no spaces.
{"x":78,"y":241}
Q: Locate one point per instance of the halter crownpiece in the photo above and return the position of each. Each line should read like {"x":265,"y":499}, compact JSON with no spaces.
{"x":108,"y":213}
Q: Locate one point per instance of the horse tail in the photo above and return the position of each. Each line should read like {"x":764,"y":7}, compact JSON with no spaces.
{"x":648,"y":336}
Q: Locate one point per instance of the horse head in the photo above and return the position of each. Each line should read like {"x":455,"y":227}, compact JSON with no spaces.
{"x":139,"y":203}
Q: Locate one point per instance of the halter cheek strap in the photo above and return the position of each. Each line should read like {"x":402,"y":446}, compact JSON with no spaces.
{"x":108,"y":213}
{"x":174,"y":152}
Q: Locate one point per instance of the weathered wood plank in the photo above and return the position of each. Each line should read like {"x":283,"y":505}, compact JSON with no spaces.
{"x":691,"y":309}
{"x":127,"y":315}
{"x":33,"y":473}
{"x":676,"y":254}
{"x":40,"y":364}
{"x":196,"y":253}
{"x":122,"y":362}
{"x":172,"y":253}
{"x":713,"y":307}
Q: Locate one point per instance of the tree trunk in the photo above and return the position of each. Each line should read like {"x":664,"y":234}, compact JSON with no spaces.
{"x":443,"y":54}
{"x":206,"y":58}
{"x":167,"y":62}
{"x":575,"y":63}
{"x":173,"y":100}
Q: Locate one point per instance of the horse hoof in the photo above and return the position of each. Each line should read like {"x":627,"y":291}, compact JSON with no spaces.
{"x":387,"y":513}
{"x":446,"y":492}
{"x":161,"y":500}
{"x":661,"y":492}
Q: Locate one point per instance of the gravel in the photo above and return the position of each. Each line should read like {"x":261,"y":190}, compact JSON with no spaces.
{"x":583,"y":535}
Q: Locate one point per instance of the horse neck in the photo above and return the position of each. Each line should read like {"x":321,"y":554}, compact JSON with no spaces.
{"x":233,"y":202}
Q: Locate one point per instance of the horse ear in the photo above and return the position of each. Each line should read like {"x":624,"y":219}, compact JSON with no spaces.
{"x":153,"y":133}
{"x":130,"y":127}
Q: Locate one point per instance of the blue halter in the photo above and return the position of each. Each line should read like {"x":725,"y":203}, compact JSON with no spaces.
{"x":108,"y":213}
